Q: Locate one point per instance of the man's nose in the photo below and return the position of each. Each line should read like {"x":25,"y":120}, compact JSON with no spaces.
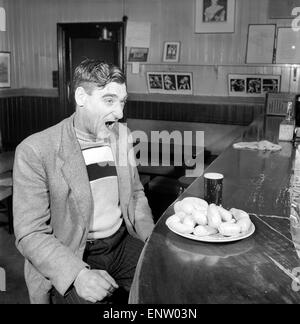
{"x":118,"y":112}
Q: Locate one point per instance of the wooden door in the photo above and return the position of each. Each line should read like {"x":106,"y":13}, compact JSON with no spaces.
{"x":77,"y":41}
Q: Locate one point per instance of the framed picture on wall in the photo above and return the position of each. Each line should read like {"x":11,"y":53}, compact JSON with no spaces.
{"x":260,"y":45}
{"x":4,"y":70}
{"x":171,"y":52}
{"x":155,"y":82}
{"x":252,"y":85}
{"x":288,"y":46}
{"x":215,"y":16}
{"x":184,"y":83}
{"x":170,"y":82}
{"x":138,"y":54}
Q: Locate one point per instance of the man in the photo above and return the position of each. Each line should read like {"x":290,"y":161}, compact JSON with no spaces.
{"x":80,"y":213}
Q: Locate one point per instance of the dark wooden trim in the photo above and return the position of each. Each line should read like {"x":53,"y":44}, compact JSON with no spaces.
{"x":29,"y":92}
{"x":189,"y":99}
{"x":61,"y":57}
{"x":144,"y":97}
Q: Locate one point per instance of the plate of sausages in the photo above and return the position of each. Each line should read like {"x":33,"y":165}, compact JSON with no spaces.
{"x":195,"y":219}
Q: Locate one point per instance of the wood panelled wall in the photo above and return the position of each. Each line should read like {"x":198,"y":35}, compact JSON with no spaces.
{"x":242,"y":114}
{"x":22,"y":116}
{"x":31,"y":38}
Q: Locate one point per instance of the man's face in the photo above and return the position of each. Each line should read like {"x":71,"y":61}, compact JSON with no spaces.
{"x":102,"y":108}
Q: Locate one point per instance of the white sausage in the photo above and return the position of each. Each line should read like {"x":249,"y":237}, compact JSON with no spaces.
{"x":204,"y":231}
{"x":181,"y":228}
{"x":229,"y":229}
{"x":245,"y":224}
{"x":213,"y":216}
{"x":238,"y":213}
{"x":225,"y":214}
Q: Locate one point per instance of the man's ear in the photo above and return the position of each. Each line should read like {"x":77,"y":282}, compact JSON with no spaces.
{"x":80,"y":96}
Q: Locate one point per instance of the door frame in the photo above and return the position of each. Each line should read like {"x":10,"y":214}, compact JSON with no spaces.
{"x":64,"y":32}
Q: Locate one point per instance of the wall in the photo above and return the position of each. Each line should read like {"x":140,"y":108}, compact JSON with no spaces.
{"x":31,"y":38}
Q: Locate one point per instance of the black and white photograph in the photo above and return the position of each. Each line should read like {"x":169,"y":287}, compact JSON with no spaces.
{"x":238,"y":85}
{"x":254,"y":85}
{"x":185,"y":83}
{"x":169,"y":82}
{"x":215,"y":16}
{"x":155,"y":81}
{"x":137,"y":54}
{"x":149,"y":155}
{"x":215,"y":11}
{"x":271,"y":85}
{"x":174,"y":83}
{"x":171,"y":52}
{"x":4,"y":70}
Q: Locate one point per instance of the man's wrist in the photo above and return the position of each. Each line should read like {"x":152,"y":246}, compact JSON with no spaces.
{"x":83,"y":271}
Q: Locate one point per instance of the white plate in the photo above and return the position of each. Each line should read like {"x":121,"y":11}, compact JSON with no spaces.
{"x":215,"y":238}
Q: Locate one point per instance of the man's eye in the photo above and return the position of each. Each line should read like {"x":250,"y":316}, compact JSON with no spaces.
{"x":109,"y":101}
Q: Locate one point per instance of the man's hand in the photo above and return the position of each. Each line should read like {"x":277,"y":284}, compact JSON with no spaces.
{"x":94,"y":285}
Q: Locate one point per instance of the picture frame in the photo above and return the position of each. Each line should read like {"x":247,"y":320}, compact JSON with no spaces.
{"x":287,"y":46}
{"x":261,"y":43}
{"x":253,"y":85}
{"x":215,"y":16}
{"x":170,"y":82}
{"x":138,"y":54}
{"x":5,"y":70}
{"x":171,"y":52}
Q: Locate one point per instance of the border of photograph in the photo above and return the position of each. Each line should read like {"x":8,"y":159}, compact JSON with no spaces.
{"x":253,"y":85}
{"x":202,"y":26}
{"x":260,"y":43}
{"x":171,"y":57}
{"x":287,"y":47}
{"x":138,"y":54}
{"x":4,"y":69}
{"x":170,"y":82}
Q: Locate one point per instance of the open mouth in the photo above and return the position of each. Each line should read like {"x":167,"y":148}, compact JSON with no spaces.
{"x":110,"y":124}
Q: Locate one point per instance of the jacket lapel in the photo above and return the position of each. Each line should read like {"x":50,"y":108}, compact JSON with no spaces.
{"x":74,"y":171}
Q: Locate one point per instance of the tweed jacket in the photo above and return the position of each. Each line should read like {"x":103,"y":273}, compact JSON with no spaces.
{"x":52,"y":205}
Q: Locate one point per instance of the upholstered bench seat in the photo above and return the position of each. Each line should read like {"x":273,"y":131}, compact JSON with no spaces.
{"x":6,"y":198}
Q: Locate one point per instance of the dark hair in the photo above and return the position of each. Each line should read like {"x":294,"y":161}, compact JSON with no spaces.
{"x":91,"y":74}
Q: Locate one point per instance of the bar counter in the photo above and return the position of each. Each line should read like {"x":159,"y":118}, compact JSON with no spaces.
{"x":259,"y":269}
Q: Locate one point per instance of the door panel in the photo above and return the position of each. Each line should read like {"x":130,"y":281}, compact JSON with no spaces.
{"x":82,"y":48}
{"x":83,"y":40}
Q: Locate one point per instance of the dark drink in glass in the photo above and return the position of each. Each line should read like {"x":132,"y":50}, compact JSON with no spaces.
{"x":213,"y":187}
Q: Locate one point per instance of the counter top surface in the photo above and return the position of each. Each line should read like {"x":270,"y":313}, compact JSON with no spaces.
{"x":259,"y":269}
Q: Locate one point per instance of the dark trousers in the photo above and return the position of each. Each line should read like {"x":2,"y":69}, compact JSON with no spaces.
{"x":118,"y":255}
